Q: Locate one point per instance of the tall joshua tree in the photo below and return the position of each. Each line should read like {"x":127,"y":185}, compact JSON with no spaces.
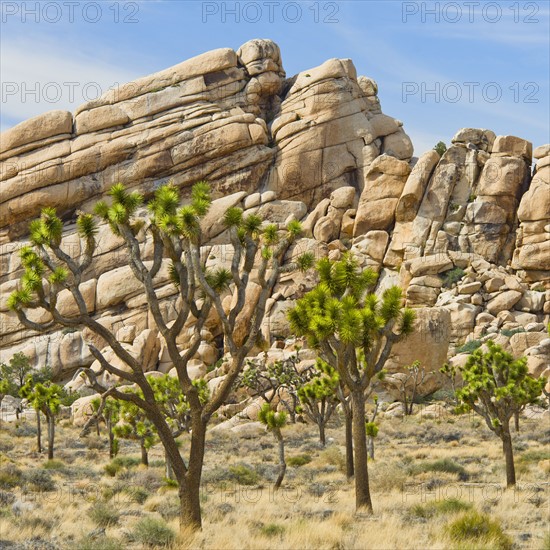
{"x":354,"y":332}
{"x":176,"y":234}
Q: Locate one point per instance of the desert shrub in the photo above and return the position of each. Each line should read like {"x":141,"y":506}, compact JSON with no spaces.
{"x":169,"y":508}
{"x":469,"y":347}
{"x":298,"y":460}
{"x":25,"y":430}
{"x":39,"y":480}
{"x":95,"y":443}
{"x":137,"y":494}
{"x":243,"y":474}
{"x":510,"y":332}
{"x":53,"y":465}
{"x":103,"y":515}
{"x":100,"y":543}
{"x":442,"y":465}
{"x":6,"y":498}
{"x":333,"y":455}
{"x":10,"y":476}
{"x":120,"y":463}
{"x":452,"y":276}
{"x":34,"y":523}
{"x":272,"y":530}
{"x":153,"y":532}
{"x":388,"y":476}
{"x":148,"y":479}
{"x":478,"y":528}
{"x":534,"y":455}
{"x":6,"y":445}
{"x":546,"y":542}
{"x":440,"y":507}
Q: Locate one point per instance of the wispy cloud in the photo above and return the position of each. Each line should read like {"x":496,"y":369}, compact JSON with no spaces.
{"x":41,"y":76}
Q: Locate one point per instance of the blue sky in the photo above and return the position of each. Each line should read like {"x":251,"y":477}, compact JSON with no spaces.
{"x":439,"y":66}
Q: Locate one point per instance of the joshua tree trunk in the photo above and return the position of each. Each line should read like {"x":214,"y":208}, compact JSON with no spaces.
{"x":350,"y":471}
{"x":282,"y":463}
{"x":189,"y":482}
{"x":370,"y":446}
{"x":321,"y":424}
{"x":508,"y":456}
{"x":51,"y":435}
{"x":168,"y":470}
{"x":38,"y":431}
{"x":144,"y":453}
{"x":362,"y":491}
{"x":516,"y":421}
{"x":112,"y":444}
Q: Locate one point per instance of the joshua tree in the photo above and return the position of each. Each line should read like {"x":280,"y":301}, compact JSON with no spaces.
{"x":176,"y":235}
{"x":372,"y":428}
{"x":274,"y":422}
{"x":354,"y":333}
{"x":45,"y":398}
{"x":496,"y":386}
{"x":408,"y":383}
{"x":318,"y":396}
{"x":451,"y":372}
{"x":107,"y":411}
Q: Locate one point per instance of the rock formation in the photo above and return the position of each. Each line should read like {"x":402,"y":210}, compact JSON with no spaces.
{"x":467,"y":235}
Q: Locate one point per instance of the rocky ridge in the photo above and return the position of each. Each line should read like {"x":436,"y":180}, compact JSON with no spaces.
{"x":467,"y":235}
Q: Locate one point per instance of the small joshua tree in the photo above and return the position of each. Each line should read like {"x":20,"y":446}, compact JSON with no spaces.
{"x":274,"y":422}
{"x":496,"y":386}
{"x":408,"y":383}
{"x":318,"y":398}
{"x":45,"y":398}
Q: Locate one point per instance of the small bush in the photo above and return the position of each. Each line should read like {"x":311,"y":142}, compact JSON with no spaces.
{"x":298,"y":460}
{"x":244,"y":475}
{"x":272,"y":530}
{"x":333,"y":455}
{"x":452,"y":276}
{"x":25,"y":430}
{"x":137,"y":494}
{"x":101,"y":543}
{"x":53,"y":465}
{"x":153,"y":532}
{"x":442,"y":465}
{"x":39,"y":480}
{"x":10,"y":476}
{"x":546,"y":542}
{"x":534,"y":456}
{"x":119,"y":464}
{"x":6,"y":498}
{"x":440,"y":507}
{"x":508,"y":333}
{"x":103,"y":515}
{"x":469,"y":347}
{"x":474,"y":527}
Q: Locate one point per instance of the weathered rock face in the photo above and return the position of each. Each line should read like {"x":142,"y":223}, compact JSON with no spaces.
{"x":467,"y":234}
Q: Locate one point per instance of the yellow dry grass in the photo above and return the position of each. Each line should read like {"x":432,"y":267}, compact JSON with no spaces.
{"x":417,"y":464}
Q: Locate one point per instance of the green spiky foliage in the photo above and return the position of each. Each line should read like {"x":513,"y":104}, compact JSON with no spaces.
{"x":354,"y":332}
{"x":497,"y":387}
{"x":176,"y":229}
{"x":372,"y":429}
{"x":341,"y":318}
{"x":318,"y":396}
{"x":275,"y":422}
{"x":44,"y":397}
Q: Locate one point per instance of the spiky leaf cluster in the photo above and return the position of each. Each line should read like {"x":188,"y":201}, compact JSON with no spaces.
{"x":496,"y":385}
{"x":271,"y":419}
{"x":341,"y":307}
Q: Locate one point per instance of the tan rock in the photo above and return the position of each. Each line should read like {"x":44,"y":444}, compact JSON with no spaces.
{"x":513,"y":146}
{"x":49,"y":124}
{"x":504,"y":301}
